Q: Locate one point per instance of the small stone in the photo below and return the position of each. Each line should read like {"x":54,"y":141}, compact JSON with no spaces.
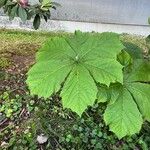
{"x":4,"y":144}
{"x":42,"y":139}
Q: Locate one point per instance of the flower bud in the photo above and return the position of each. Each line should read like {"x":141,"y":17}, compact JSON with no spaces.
{"x":23,"y":3}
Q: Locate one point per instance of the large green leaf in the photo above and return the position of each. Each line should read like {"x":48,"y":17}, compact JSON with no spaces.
{"x":123,"y":116}
{"x":83,"y":59}
{"x":46,"y":77}
{"x":79,"y":90}
{"x":131,"y":99}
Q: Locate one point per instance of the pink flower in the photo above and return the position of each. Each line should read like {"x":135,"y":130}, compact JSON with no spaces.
{"x":24,"y":3}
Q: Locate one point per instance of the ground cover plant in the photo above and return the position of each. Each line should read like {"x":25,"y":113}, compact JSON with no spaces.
{"x":24,"y":117}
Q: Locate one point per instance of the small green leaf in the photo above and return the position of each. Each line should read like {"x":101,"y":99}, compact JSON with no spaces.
{"x":46,"y":2}
{"x":10,"y":3}
{"x":124,"y":58}
{"x":36,"y":22}
{"x":83,"y":59}
{"x":45,"y":18}
{"x":46,"y":5}
{"x":22,"y":14}
{"x":2,"y":3}
{"x":13,"y":12}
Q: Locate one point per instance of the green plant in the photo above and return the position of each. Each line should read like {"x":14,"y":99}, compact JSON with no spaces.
{"x":10,"y":106}
{"x":27,"y":10}
{"x":86,"y":67}
{"x":25,"y":139}
{"x":68,"y":131}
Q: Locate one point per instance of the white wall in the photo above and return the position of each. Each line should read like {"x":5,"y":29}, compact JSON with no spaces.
{"x":121,"y":16}
{"x":104,"y":11}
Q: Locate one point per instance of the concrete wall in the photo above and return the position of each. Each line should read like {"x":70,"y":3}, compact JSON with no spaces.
{"x":119,"y":16}
{"x":104,"y":11}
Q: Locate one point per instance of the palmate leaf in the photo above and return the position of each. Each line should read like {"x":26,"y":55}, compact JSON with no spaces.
{"x":130,"y":101}
{"x":123,"y":115}
{"x":82,"y":60}
{"x":79,"y":90}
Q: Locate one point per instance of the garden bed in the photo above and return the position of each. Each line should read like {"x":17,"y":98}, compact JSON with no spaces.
{"x":24,"y":118}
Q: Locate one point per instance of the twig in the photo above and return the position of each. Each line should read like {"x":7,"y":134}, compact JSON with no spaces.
{"x":3,"y":121}
{"x":22,"y":112}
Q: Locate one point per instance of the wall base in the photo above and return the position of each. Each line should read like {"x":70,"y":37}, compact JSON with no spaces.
{"x":71,"y":26}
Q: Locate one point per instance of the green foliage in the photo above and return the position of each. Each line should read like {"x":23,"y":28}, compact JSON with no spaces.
{"x":24,"y":140}
{"x":13,"y":109}
{"x":122,"y":115}
{"x":9,"y":106}
{"x":81,"y":60}
{"x":88,"y":132}
{"x":64,"y":129}
{"x":131,"y":99}
{"x":24,"y":10}
{"x":86,"y":64}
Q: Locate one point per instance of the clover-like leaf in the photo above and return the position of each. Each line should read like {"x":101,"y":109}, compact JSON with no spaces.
{"x":81,"y":59}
